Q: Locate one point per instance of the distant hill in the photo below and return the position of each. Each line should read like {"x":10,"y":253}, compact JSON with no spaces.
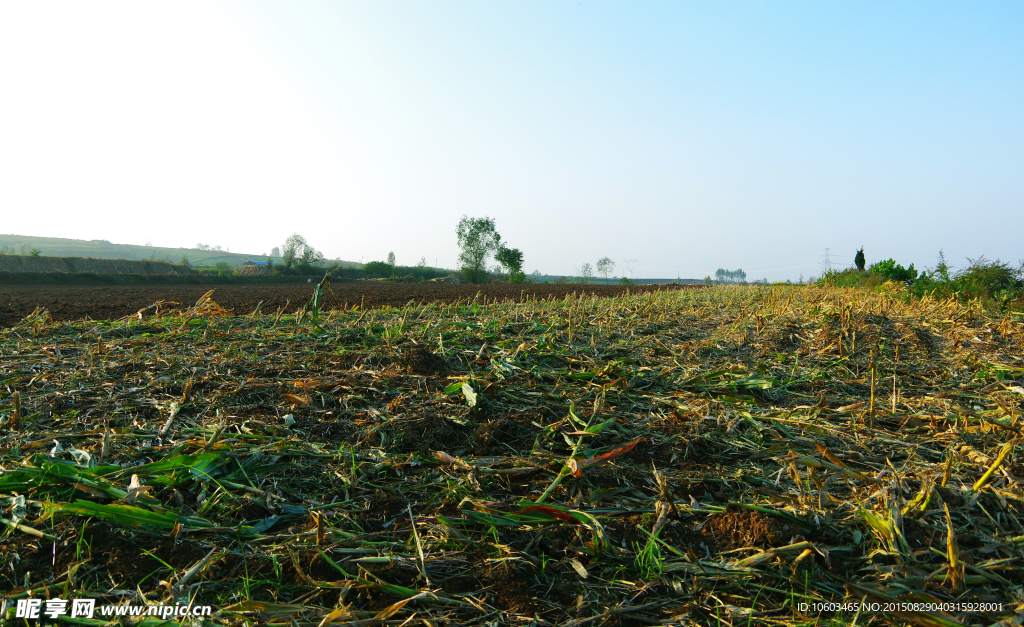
{"x":102,"y":249}
{"x":553,"y":278}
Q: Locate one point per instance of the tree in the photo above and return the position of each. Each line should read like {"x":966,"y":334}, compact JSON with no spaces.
{"x":894,"y":271}
{"x":730,"y":276}
{"x":378,"y":268}
{"x":391,"y":259}
{"x":311,"y":256}
{"x":605,"y":266}
{"x":858,"y":259}
{"x":511,"y":260}
{"x":292,"y":248}
{"x":586,"y":273}
{"x":478,"y":240}
{"x":275,"y":252}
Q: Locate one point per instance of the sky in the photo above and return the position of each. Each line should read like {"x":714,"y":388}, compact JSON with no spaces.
{"x":686,"y":137}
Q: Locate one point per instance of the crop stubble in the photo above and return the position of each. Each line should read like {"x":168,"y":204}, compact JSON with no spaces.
{"x":731,"y":462}
{"x":115,"y":301}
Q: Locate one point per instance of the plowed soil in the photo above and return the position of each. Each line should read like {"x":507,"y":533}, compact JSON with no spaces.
{"x":109,"y":302}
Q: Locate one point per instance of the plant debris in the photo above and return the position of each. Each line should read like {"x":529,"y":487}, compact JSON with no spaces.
{"x":730,"y":455}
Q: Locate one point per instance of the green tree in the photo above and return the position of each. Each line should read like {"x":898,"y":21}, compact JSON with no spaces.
{"x":858,"y":259}
{"x":605,"y":266}
{"x":311,"y":256}
{"x":292,"y":248}
{"x":378,"y":268}
{"x":894,"y":271}
{"x":478,"y":239}
{"x":391,"y":259}
{"x":586,"y":273}
{"x":511,"y":259}
{"x":297,"y":250}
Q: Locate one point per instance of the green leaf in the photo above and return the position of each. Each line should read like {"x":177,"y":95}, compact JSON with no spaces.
{"x":796,"y":520}
{"x":598,"y":428}
{"x":130,"y":515}
{"x":202,"y":466}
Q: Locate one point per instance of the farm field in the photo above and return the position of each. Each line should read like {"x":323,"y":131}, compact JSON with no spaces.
{"x":102,"y":249}
{"x":719,"y":456}
{"x":116,"y":301}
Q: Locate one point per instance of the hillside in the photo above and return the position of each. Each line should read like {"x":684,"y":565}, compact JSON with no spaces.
{"x":102,"y":249}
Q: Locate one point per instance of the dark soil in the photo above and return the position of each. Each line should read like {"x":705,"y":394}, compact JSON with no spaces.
{"x":116,"y":301}
{"x":738,"y":528}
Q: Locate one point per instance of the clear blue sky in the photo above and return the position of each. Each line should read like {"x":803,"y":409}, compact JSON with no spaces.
{"x":691,"y":136}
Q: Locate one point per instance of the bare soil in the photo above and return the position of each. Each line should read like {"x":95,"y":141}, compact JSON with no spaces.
{"x":117,"y":301}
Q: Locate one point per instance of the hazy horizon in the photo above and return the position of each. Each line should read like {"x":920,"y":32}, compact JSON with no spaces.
{"x":688,"y":136}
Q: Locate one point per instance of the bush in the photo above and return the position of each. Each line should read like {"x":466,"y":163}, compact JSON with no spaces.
{"x":894,"y":272}
{"x":852,"y":277}
{"x":407,"y":274}
{"x":994,"y":281}
{"x":378,"y":269}
{"x":989,"y":280}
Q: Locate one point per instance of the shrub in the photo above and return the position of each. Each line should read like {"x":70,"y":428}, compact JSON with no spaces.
{"x":894,"y":271}
{"x":990,"y":280}
{"x":987,"y":279}
{"x":378,"y":268}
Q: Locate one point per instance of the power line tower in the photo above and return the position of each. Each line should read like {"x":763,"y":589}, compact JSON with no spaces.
{"x":630,"y":264}
{"x":826,"y":264}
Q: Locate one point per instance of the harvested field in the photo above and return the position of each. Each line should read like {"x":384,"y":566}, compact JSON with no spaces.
{"x":116,"y":301}
{"x":722,"y":456}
